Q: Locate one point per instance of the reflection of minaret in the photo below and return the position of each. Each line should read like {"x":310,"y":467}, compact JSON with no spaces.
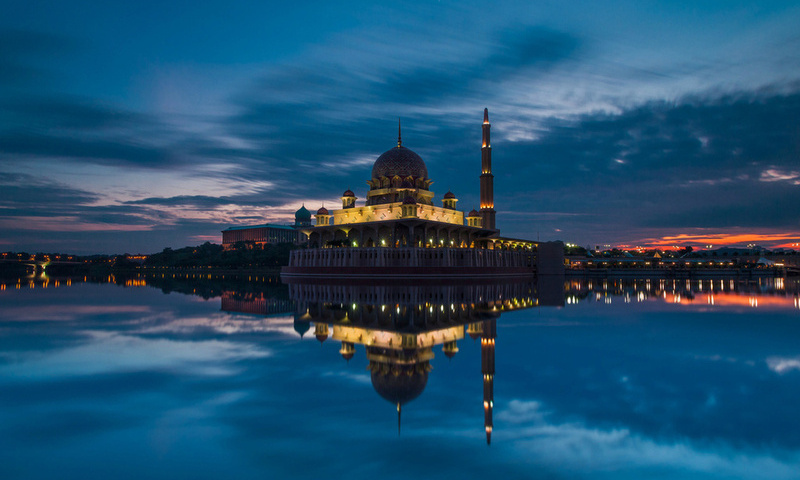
{"x":487,"y":368}
{"x":487,"y":179}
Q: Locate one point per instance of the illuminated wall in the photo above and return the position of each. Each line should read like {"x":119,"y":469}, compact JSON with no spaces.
{"x":393,"y":211}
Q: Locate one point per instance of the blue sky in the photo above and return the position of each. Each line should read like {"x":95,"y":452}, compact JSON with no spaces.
{"x":135,"y":126}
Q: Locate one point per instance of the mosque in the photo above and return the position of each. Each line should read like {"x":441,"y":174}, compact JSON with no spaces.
{"x":421,"y":238}
{"x":399,"y":326}
{"x":400,"y":212}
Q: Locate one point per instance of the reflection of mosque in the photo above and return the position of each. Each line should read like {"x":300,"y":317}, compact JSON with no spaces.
{"x":399,"y":326}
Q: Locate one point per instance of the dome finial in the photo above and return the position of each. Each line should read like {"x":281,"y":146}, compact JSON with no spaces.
{"x":399,"y":139}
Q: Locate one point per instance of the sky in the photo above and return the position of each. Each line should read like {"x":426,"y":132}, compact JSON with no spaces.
{"x":135,"y":126}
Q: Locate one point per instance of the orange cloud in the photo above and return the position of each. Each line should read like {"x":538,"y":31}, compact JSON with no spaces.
{"x":772,"y":240}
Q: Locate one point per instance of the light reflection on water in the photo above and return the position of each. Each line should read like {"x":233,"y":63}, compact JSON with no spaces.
{"x":620,"y":379}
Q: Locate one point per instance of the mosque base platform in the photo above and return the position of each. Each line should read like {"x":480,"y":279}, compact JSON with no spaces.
{"x":407,"y":272}
{"x":372,"y":262}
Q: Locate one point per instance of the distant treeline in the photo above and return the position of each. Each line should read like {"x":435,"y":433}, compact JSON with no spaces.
{"x":242,"y":255}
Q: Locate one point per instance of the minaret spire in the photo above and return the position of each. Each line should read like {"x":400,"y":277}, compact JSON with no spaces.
{"x":398,"y":418}
{"x":487,"y":179}
{"x":399,"y":138}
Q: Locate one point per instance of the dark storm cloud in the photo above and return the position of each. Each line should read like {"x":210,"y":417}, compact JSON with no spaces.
{"x":26,"y":195}
{"x":530,"y":50}
{"x":81,"y":131}
{"x":192,"y":200}
{"x":304,"y":116}
{"x":696,"y":162}
{"x":25,"y":190}
{"x":128,"y":152}
{"x":52,"y":113}
{"x":258,"y":199}
{"x":76,"y":130}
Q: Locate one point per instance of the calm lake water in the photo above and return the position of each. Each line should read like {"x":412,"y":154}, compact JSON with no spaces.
{"x":211,"y":378}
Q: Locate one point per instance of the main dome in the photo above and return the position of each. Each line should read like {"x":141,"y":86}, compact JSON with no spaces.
{"x":401,"y":388}
{"x":399,"y":161}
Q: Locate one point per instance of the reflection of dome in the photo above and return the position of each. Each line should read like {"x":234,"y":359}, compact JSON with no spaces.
{"x":322,"y":211}
{"x":348,"y":350}
{"x":399,"y":161}
{"x":302,"y":214}
{"x":321,"y":331}
{"x":407,"y":385}
{"x":301,"y":327}
{"x":450,"y":349}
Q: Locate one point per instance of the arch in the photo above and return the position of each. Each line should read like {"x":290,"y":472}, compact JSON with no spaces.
{"x":340,"y":234}
{"x":314,"y":240}
{"x":353,"y":236}
{"x":384,"y":237}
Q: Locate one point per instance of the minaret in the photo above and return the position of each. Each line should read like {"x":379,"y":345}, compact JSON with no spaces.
{"x":487,"y":368}
{"x":487,"y":179}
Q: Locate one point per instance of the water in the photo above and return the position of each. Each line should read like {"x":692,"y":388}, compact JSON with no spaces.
{"x":209,"y":378}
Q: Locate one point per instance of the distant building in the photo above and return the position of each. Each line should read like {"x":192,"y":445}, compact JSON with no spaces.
{"x":269,"y":232}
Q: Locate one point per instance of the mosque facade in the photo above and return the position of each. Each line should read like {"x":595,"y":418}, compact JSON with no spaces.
{"x":400,"y":229}
{"x":400,"y":210}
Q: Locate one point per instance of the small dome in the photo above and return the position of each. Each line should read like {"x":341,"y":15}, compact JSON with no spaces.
{"x":399,"y":161}
{"x":322,"y":211}
{"x":302,"y":214}
{"x":348,"y":193}
{"x":473,"y":213}
{"x":449,"y":195}
{"x":409,"y":201}
{"x":321,"y":337}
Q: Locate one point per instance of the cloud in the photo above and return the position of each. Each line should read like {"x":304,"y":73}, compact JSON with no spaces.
{"x":577,"y":448}
{"x":776,"y":175}
{"x":781,"y":365}
{"x":113,"y":352}
{"x":38,"y":192}
{"x":61,"y":313}
{"x":685,"y":165}
{"x":647,"y":139}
